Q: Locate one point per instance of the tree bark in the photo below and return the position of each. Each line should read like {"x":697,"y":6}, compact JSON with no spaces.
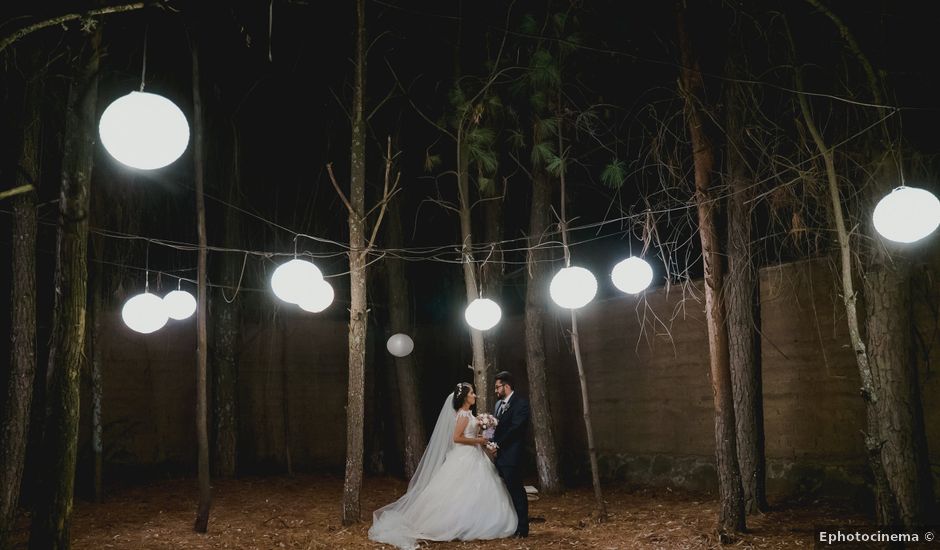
{"x":358,"y":314}
{"x":52,"y":517}
{"x":742,"y":300}
{"x":731,"y":506}
{"x":492,"y":274}
{"x":399,"y":306}
{"x":202,"y":433}
{"x":227,"y":326}
{"x":903,"y":444}
{"x":280,"y":326}
{"x":481,"y":380}
{"x":94,"y":359}
{"x":225,"y":377}
{"x":15,"y":411}
{"x":903,"y":439}
{"x":546,"y":453}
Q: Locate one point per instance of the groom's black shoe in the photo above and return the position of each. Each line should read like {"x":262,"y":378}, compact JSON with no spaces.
{"x":519,"y":535}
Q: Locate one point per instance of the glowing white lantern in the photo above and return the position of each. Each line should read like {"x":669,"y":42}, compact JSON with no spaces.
{"x":573,"y":287}
{"x":291,"y":280}
{"x":179,"y":304}
{"x":483,"y":314}
{"x":317,"y":297}
{"x":144,"y":313}
{"x":632,"y":275}
{"x":143,"y":130}
{"x":400,"y":345}
{"x":907,"y":214}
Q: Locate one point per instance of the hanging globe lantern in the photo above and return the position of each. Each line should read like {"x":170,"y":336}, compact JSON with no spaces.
{"x":317,"y":298}
{"x":400,"y":345}
{"x":179,"y":304}
{"x":632,"y":275}
{"x":907,"y":214}
{"x":144,"y":313}
{"x":144,"y":131}
{"x":291,"y":280}
{"x":573,"y":287}
{"x":483,"y":314}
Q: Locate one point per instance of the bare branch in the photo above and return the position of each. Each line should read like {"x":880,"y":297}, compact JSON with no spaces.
{"x":329,"y":168}
{"x":16,"y":191}
{"x":442,"y":204}
{"x":415,"y":107}
{"x":385,"y":193}
{"x":29,"y":29}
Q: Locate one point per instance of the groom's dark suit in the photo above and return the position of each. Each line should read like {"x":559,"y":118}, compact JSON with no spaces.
{"x":510,"y":435}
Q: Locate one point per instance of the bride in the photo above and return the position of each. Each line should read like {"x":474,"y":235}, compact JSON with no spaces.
{"x":455,"y":493}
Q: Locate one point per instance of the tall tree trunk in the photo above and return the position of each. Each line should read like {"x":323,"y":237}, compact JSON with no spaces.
{"x":903,"y":445}
{"x":93,"y":350}
{"x":225,"y":376}
{"x":202,"y":433}
{"x":903,"y":441}
{"x":546,"y":454}
{"x":492,"y":274}
{"x":97,"y":445}
{"x":227,"y":326}
{"x":481,"y":380}
{"x":15,"y":411}
{"x":898,"y":444}
{"x":52,"y":517}
{"x":730,"y":492}
{"x":399,"y":306}
{"x":601,"y":506}
{"x":280,"y":326}
{"x":743,"y":302}
{"x":358,"y":314}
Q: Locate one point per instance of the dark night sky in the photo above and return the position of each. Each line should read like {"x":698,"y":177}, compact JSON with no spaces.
{"x":290,"y":121}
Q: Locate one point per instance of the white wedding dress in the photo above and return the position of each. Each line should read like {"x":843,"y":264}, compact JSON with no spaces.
{"x":455,"y":494}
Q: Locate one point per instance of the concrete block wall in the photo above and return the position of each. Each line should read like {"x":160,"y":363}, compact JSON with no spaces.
{"x":647,"y":368}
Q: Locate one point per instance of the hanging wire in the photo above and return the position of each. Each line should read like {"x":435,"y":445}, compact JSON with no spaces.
{"x":147,"y":267}
{"x":270,"y":29}
{"x":483,"y":265}
{"x":898,"y":150}
{"x":237,"y":285}
{"x":143,"y":68}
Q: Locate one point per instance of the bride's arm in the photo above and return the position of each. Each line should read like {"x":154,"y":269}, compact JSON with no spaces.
{"x":458,"y":433}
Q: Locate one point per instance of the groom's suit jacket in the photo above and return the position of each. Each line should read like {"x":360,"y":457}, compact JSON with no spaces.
{"x":511,"y":431}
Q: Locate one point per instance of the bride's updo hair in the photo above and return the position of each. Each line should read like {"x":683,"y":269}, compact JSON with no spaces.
{"x":460,"y":394}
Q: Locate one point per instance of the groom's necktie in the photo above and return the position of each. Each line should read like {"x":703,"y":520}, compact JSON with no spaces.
{"x":499,"y":407}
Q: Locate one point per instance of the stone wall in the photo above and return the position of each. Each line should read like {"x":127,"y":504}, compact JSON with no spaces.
{"x":647,"y":367}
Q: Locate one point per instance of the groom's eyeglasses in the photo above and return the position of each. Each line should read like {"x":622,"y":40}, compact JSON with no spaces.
{"x":498,"y":386}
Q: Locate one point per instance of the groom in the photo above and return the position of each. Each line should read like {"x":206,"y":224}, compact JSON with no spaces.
{"x":512,"y":412}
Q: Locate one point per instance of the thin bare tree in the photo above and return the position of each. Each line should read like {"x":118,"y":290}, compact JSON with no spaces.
{"x":202,"y":408}
{"x":359,"y":248}
{"x":600,"y":505}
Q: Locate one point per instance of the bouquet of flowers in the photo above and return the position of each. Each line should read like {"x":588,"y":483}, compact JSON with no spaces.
{"x":487,"y":423}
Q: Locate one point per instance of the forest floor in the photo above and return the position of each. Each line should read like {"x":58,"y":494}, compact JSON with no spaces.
{"x":304,"y":512}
